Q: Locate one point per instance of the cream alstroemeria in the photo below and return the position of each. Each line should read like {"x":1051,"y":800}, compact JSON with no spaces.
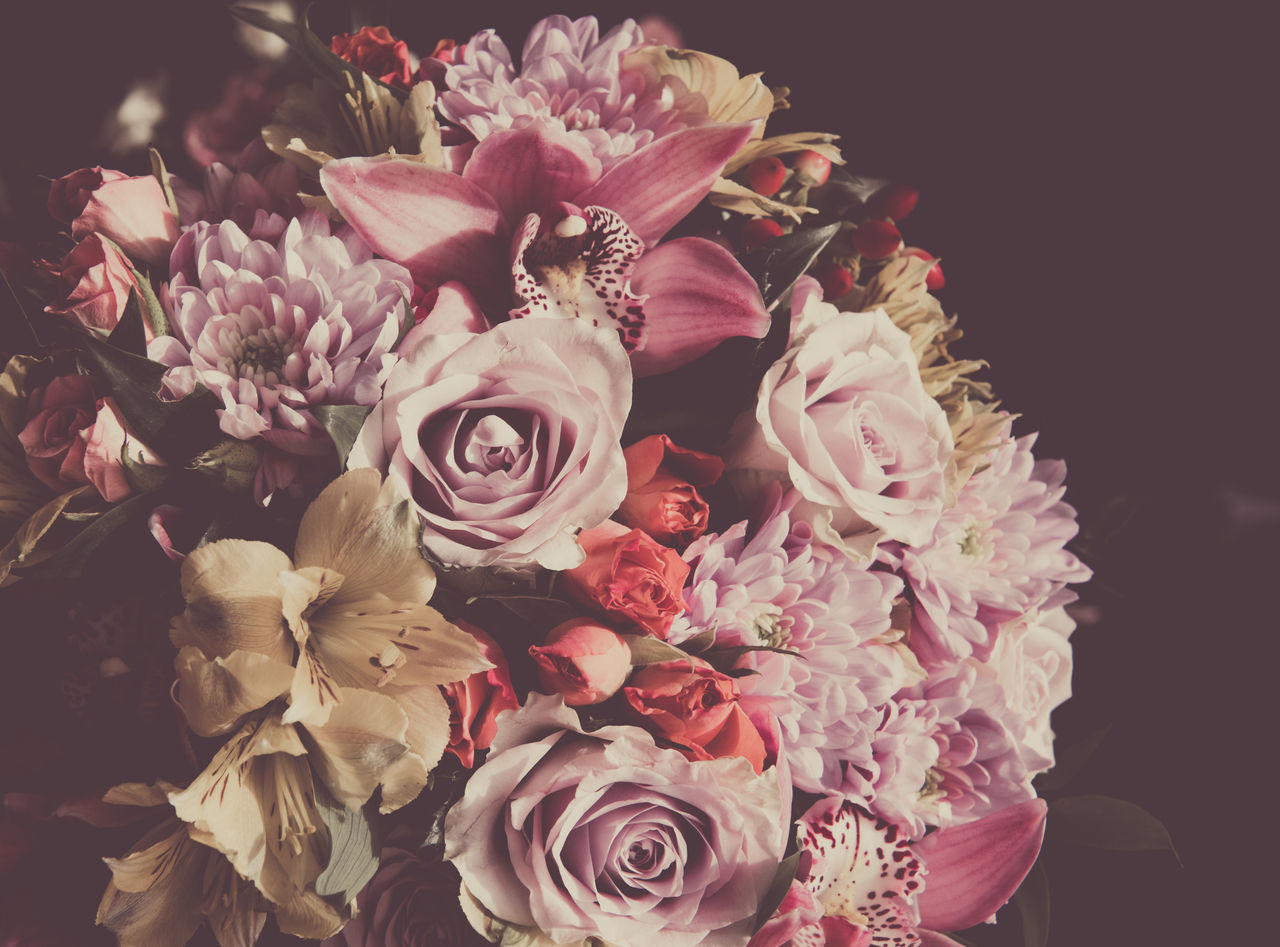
{"x":369,"y":654}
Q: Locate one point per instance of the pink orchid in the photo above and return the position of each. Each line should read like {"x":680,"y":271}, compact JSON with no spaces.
{"x":535,"y":209}
{"x":876,"y":887}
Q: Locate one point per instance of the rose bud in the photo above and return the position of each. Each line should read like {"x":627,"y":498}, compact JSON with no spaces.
{"x":375,"y":51}
{"x":474,"y":704}
{"x":582,"y":661}
{"x":836,"y":280}
{"x":691,"y":703}
{"x":765,"y":175}
{"x":893,"y":201}
{"x":876,"y":239}
{"x":100,"y":282}
{"x":758,"y":231}
{"x":812,"y":169}
{"x":134,"y":213}
{"x":69,"y":194}
{"x":662,"y":498}
{"x":630,"y":577}
{"x":934,"y":280}
{"x":57,"y":413}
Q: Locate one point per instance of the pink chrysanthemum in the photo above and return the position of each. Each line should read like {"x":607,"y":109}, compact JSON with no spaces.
{"x":782,"y":588}
{"x":274,"y":329}
{"x":998,"y":553}
{"x":571,"y":77}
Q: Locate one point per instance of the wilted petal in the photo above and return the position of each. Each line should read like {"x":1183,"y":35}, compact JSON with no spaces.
{"x":233,"y":597}
{"x":436,"y":223}
{"x":698,"y":296}
{"x":215,"y":694}
{"x":659,"y":184}
{"x":975,"y":868}
{"x":529,"y":169}
{"x":361,"y":528}
{"x":306,"y":914}
{"x":153,"y":899}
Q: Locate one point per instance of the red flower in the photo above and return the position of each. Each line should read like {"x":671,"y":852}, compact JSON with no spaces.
{"x":375,"y":51}
{"x":662,"y":498}
{"x":629,"y":577}
{"x":474,"y":704}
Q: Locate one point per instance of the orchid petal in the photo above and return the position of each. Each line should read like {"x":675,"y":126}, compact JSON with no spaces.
{"x":698,"y":296}
{"x":975,"y":868}
{"x":529,"y":169}
{"x":658,"y":185}
{"x":436,"y":223}
{"x":934,"y":939}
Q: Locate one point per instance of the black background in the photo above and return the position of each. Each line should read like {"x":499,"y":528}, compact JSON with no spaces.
{"x":1099,"y":183}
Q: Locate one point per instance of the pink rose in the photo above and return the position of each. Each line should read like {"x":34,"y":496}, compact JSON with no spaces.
{"x":474,"y":704}
{"x":72,"y":438}
{"x":662,"y":498}
{"x":100,"y":282}
{"x":604,"y":834}
{"x":629,"y":577}
{"x":691,"y":703}
{"x":134,"y":213}
{"x":506,"y":440}
{"x":582,"y":661}
{"x":844,"y":415}
{"x":69,"y":194}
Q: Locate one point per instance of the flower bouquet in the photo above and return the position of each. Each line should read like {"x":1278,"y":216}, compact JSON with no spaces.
{"x":527,"y":501}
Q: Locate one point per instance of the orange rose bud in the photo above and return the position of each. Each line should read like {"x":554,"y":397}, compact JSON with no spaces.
{"x":474,"y":703}
{"x":662,"y":497}
{"x":375,"y":51}
{"x":582,"y":661}
{"x":692,"y":704}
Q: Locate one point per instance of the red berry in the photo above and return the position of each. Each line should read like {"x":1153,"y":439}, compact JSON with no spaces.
{"x":935,"y":279}
{"x":758,"y":231}
{"x":765,"y":175}
{"x":894,"y":202}
{"x":876,"y":239}
{"x":836,"y":280}
{"x":812,"y":169}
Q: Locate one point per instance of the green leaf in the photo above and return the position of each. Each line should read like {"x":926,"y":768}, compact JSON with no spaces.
{"x":175,"y":430}
{"x":162,"y":176}
{"x":342,"y":422}
{"x":777,"y":889}
{"x":776,"y":264}
{"x":1070,"y":760}
{"x":700,"y":642}
{"x":313,"y":50}
{"x":68,"y":562}
{"x":29,"y":534}
{"x":128,"y":335}
{"x":353,"y":850}
{"x":1106,"y":822}
{"x":646,"y":649}
{"x":1032,"y":899}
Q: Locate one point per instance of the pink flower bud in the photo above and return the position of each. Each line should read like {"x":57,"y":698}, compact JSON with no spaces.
{"x":99,"y":282}
{"x":132,"y":212}
{"x":765,"y":175}
{"x":69,"y":194}
{"x":893,"y":202}
{"x":877,"y":239}
{"x":583,"y":661}
{"x":758,"y":231}
{"x":812,"y":169}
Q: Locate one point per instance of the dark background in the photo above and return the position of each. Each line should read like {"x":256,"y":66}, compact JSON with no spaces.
{"x":1100,"y":184}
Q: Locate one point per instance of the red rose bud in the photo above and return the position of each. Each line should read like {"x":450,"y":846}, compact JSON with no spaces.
{"x":876,"y":239}
{"x":629,"y":577}
{"x":894,"y":202}
{"x":375,"y":51}
{"x":69,"y":194}
{"x":812,"y":169}
{"x":765,"y":175}
{"x":474,"y":704}
{"x":662,"y":498}
{"x":758,"y":231}
{"x":836,"y":280}
{"x":934,"y":280}
{"x":690,"y":703}
{"x":98,"y":280}
{"x":582,"y":661}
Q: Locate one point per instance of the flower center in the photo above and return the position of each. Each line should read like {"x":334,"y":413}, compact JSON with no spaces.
{"x":260,"y":356}
{"x":973,"y":541}
{"x":773,"y":630}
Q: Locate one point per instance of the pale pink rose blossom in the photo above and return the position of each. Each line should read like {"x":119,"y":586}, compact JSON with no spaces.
{"x":506,"y":440}
{"x":843,"y":415}
{"x":134,"y":214}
